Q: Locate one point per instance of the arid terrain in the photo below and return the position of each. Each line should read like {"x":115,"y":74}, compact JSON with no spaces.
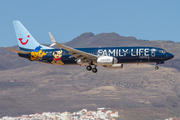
{"x":138,"y":92}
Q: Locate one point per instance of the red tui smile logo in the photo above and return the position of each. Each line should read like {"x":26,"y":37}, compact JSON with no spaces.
{"x":24,"y":43}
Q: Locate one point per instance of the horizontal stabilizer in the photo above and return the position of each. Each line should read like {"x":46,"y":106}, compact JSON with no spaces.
{"x":17,"y":51}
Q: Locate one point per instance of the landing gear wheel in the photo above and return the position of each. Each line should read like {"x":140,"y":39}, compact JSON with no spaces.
{"x":157,"y":67}
{"x":89,"y":68}
{"x":94,"y":70}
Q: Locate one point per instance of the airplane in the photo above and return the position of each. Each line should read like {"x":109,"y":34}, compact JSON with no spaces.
{"x":108,"y":57}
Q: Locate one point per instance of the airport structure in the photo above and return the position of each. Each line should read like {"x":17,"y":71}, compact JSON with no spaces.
{"x":100,"y":114}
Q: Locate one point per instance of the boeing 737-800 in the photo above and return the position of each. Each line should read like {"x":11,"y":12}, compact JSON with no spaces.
{"x":108,"y":57}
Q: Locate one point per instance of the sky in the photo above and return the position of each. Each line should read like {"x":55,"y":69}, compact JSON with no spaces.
{"x":67,"y":19}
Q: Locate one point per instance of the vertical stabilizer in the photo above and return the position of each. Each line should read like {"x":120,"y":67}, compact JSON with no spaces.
{"x":25,"y":40}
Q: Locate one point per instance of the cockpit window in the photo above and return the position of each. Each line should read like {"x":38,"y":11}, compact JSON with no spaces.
{"x":162,"y":51}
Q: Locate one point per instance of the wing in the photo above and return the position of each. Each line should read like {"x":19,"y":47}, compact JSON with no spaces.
{"x":73,"y":52}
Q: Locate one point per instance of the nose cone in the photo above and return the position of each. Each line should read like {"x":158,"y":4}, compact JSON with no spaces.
{"x":170,"y":56}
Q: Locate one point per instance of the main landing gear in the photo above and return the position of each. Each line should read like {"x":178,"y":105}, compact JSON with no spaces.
{"x":156,"y":67}
{"x":89,"y":68}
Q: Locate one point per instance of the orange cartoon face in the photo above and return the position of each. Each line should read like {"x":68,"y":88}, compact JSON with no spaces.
{"x":37,"y":55}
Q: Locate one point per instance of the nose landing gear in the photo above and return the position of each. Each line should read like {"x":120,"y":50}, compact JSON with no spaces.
{"x":156,"y":67}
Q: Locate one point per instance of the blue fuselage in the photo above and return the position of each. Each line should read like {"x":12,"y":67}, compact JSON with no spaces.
{"x":122,"y":54}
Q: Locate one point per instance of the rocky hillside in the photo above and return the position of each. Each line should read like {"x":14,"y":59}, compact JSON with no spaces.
{"x":138,"y":91}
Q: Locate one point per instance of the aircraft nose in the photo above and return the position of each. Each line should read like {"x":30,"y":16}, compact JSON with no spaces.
{"x":170,"y":56}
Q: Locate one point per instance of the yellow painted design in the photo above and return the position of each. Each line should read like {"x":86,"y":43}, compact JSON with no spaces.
{"x":37,"y":55}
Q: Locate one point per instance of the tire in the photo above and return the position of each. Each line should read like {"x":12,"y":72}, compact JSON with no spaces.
{"x":94,"y":70}
{"x":89,"y":68}
{"x":157,"y":67}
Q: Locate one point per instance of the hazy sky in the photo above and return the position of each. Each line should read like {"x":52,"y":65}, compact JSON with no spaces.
{"x":67,"y":19}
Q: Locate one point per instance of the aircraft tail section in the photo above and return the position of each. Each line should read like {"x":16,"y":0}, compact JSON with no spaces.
{"x":25,"y":40}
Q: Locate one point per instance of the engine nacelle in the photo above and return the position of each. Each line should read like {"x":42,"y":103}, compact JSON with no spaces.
{"x":115,"y":66}
{"x":106,"y":60}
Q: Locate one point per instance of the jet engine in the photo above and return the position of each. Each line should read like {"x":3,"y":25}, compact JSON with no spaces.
{"x":106,"y":60}
{"x":115,"y":66}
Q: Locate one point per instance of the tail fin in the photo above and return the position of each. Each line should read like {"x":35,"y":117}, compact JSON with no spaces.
{"x":25,"y":40}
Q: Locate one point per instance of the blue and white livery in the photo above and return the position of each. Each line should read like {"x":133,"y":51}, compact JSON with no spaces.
{"x":109,"y":57}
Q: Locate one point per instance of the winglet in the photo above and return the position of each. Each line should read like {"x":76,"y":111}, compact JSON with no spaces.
{"x":53,"y":40}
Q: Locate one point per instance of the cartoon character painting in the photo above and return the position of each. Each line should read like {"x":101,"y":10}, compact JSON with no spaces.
{"x":57,"y":58}
{"x":37,"y":54}
{"x":34,"y":55}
